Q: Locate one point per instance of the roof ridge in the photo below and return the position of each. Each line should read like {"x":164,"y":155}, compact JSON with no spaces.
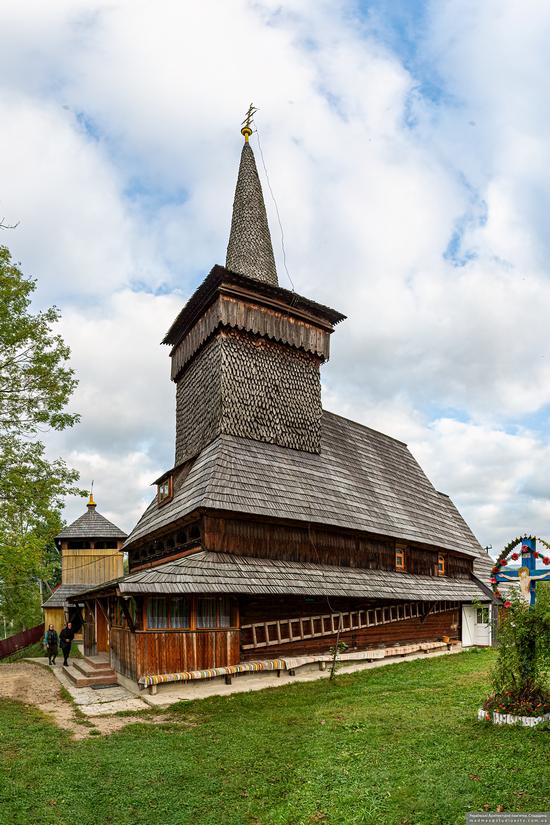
{"x":365,"y":427}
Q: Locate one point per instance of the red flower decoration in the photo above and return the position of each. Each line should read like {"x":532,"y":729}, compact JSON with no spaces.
{"x":546,"y":560}
{"x":498,"y":594}
{"x":536,"y":554}
{"x":507,"y":603}
{"x":525,"y":549}
{"x":515,"y":556}
{"x":493,"y":580}
{"x":494,"y":570}
{"x":503,"y":562}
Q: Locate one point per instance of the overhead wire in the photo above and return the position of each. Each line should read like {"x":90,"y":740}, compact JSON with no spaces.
{"x":276,"y":206}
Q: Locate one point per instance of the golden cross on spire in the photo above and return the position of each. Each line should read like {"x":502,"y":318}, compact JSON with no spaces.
{"x":246,"y":124}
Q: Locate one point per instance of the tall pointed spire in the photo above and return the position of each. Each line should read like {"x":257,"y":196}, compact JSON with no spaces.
{"x":249,"y":250}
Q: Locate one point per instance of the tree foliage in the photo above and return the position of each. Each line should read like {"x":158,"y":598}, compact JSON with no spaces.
{"x":519,"y":677}
{"x":35,"y":386}
{"x":35,"y":380}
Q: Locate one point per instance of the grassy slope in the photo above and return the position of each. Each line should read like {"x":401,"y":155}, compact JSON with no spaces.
{"x":391,"y":745}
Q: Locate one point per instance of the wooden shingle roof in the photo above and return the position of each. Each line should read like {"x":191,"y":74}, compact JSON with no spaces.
{"x":249,"y":249}
{"x":362,"y":480}
{"x":91,"y":525}
{"x":62,"y":593}
{"x":208,"y":572}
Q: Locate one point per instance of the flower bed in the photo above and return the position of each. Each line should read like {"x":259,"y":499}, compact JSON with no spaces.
{"x":511,"y":719}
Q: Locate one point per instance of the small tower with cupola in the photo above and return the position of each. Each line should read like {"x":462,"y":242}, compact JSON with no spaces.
{"x":91,"y":553}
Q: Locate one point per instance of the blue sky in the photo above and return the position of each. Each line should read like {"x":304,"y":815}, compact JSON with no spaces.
{"x":406,"y":143}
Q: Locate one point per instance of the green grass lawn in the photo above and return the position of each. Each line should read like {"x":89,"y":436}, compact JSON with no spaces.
{"x":397,"y":744}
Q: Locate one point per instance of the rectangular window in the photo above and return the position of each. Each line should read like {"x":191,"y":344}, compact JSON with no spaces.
{"x":483,"y":615}
{"x":441,"y":565}
{"x":180,"y":614}
{"x":165,"y":490}
{"x":399,"y":558}
{"x":157,"y":613}
{"x":213,"y":612}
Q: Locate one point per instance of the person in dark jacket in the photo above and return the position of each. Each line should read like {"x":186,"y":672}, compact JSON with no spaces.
{"x":66,"y":638}
{"x":51,"y":642}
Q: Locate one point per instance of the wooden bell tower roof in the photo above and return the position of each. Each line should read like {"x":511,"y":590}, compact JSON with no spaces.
{"x":249,"y":250}
{"x":91,"y":525}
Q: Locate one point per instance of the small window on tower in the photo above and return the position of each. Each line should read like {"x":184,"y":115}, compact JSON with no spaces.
{"x":440,"y":564}
{"x":165,"y":490}
{"x":399,"y":558}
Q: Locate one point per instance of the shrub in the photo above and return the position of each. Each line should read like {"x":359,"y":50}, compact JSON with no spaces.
{"x":519,"y":677}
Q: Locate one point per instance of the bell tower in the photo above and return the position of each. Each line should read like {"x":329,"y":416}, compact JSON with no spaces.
{"x":246,"y":353}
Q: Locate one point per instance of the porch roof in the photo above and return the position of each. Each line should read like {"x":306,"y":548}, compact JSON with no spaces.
{"x":63,"y":593}
{"x":224,"y":573}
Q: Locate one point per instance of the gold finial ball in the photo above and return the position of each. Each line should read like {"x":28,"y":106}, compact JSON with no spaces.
{"x":246,"y":131}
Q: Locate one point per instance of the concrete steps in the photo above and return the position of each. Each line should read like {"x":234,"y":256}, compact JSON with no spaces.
{"x":90,"y":671}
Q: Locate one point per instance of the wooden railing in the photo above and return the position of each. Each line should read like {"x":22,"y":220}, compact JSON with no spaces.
{"x":20,"y":640}
{"x":282,"y":631}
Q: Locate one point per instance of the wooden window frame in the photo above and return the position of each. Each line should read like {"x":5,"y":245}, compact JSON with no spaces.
{"x":400,"y":564}
{"x":440,"y":567}
{"x":193,"y":602}
{"x":164,"y":498}
{"x":217,"y":600}
{"x":169,"y":628}
{"x":485,"y":613}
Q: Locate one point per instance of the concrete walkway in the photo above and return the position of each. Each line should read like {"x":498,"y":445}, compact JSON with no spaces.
{"x":169,"y":694}
{"x":118,"y":698}
{"x":95,"y":702}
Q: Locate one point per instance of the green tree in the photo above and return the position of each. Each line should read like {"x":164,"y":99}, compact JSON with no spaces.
{"x":35,"y":386}
{"x":35,"y":379}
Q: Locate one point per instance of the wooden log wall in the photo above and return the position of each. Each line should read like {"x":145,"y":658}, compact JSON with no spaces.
{"x":254,"y":610}
{"x":142,"y":653}
{"x":432,"y":628}
{"x":318,"y":545}
{"x":296,"y":543}
{"x":123,"y":652}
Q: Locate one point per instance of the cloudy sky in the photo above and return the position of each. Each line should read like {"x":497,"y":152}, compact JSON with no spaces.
{"x":407,"y":145}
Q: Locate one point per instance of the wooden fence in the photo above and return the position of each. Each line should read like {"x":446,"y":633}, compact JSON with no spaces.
{"x":19,"y":640}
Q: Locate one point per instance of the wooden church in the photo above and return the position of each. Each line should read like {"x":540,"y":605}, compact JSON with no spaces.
{"x":280,"y":526}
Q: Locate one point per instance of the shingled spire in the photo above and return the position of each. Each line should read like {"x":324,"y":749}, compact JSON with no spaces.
{"x":249,"y":250}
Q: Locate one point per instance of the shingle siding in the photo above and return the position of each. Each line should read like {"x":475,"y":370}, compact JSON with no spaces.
{"x":249,"y":250}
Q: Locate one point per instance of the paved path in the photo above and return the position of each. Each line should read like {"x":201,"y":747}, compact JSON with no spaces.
{"x":36,"y":685}
{"x":180,"y":691}
{"x":95,"y":702}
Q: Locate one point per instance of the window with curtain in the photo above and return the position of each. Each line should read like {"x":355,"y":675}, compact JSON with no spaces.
{"x":157,"y":613}
{"x":213,"y":612}
{"x":180,"y":613}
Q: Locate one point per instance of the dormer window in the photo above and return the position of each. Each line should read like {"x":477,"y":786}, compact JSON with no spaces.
{"x":400,"y":558}
{"x":165,"y":490}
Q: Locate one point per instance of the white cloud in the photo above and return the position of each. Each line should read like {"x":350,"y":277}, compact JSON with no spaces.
{"x":119,"y":155}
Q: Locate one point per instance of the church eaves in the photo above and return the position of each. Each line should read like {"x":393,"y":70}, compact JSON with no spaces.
{"x":249,"y":250}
